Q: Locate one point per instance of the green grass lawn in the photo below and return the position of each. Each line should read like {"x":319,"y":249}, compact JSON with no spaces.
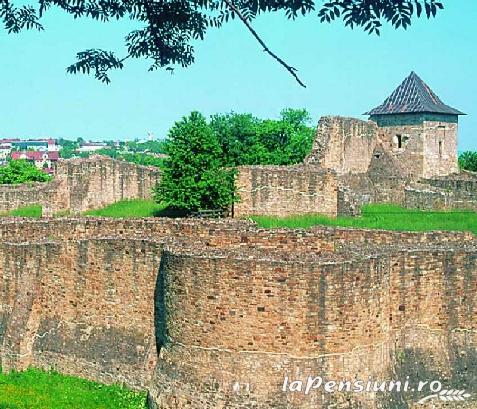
{"x":389,"y":217}
{"x":27,"y":211}
{"x":35,"y":389}
{"x":129,"y":208}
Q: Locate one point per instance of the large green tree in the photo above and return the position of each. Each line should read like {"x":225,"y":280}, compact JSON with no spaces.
{"x":247,"y":140}
{"x":194,"y":177}
{"x":168,"y":28}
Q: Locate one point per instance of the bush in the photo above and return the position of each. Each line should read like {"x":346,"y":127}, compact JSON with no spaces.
{"x":468,"y":161}
{"x":21,"y":171}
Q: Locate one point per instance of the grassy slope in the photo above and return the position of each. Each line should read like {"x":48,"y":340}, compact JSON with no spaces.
{"x":35,"y":389}
{"x":129,"y":208}
{"x":27,"y":211}
{"x":388,"y":217}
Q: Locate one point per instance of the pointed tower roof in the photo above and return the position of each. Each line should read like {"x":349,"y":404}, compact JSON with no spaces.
{"x":413,"y":96}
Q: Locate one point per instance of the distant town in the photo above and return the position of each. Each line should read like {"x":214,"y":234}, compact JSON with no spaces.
{"x":45,"y":153}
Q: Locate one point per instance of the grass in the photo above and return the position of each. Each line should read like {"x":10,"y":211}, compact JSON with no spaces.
{"x":129,"y":208}
{"x":388,"y":217}
{"x":36,"y":389}
{"x":27,"y":211}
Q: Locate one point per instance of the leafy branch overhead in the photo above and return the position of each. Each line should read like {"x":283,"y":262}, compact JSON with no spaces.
{"x":168,"y":28}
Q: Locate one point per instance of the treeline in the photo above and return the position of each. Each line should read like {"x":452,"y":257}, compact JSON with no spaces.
{"x":199,"y":171}
{"x":248,"y":140}
{"x":141,"y":153}
{"x":138,"y":158}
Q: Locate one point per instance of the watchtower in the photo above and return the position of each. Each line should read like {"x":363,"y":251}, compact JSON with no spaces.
{"x":418,"y":129}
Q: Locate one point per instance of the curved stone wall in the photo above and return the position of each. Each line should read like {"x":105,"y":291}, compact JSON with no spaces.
{"x":214,"y":314}
{"x":235,"y":325}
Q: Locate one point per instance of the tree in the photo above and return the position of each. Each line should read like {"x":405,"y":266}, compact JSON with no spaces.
{"x":247,"y":140}
{"x":237,"y":135}
{"x":194,"y":177}
{"x":169,"y":27}
{"x":68,"y":148}
{"x":21,"y":171}
{"x":468,"y":161}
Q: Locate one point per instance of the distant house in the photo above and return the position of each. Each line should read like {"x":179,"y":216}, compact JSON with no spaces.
{"x":4,"y":153}
{"x":42,"y":160}
{"x":43,"y":145}
{"x":91,"y":146}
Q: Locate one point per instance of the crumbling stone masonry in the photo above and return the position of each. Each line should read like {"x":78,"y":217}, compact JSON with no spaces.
{"x":214,"y":314}
{"x":269,"y":190}
{"x":405,"y":154}
{"x":83,"y":184}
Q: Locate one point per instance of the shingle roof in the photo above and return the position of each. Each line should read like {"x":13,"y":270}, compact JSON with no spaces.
{"x":413,"y":96}
{"x":35,"y":155}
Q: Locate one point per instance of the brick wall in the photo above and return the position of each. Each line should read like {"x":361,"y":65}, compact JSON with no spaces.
{"x":83,"y":184}
{"x":343,"y":144}
{"x":96,"y":182}
{"x":82,"y":308}
{"x":46,"y":194}
{"x":454,"y":192}
{"x":254,"y":319}
{"x":210,"y":314}
{"x":285,"y":190}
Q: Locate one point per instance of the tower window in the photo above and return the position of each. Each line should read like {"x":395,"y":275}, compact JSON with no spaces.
{"x":399,"y":141}
{"x":440,"y":149}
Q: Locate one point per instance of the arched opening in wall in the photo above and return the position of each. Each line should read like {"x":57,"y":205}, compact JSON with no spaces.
{"x":399,"y":141}
{"x":440,"y":149}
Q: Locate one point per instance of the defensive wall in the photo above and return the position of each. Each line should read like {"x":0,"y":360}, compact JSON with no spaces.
{"x":214,"y":314}
{"x":83,"y":184}
{"x":283,"y":190}
{"x":353,"y":163}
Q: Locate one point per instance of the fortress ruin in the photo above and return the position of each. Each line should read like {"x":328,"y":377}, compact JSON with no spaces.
{"x":214,"y":314}
{"x":83,"y":184}
{"x":405,"y":154}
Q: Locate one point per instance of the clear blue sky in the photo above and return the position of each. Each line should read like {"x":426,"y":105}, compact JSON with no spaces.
{"x":346,"y":72}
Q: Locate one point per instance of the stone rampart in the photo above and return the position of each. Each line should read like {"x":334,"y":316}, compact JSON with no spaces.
{"x":83,"y":184}
{"x":345,"y":145}
{"x":256,"y":318}
{"x":99,"y":181}
{"x":82,"y":308}
{"x":46,"y":194}
{"x":454,"y":192}
{"x":214,"y":314}
{"x":285,"y":191}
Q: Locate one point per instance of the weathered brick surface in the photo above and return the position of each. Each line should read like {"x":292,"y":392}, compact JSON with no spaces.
{"x":454,"y":192}
{"x":286,"y":190}
{"x":80,"y":307}
{"x":96,"y":182}
{"x":345,"y":145}
{"x":214,"y":314}
{"x":15,"y":196}
{"x":83,"y":184}
{"x":253,"y":320}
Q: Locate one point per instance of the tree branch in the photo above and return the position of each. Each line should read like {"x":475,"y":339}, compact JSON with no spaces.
{"x":290,"y":69}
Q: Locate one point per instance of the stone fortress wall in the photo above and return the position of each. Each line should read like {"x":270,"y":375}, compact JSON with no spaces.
{"x":356,"y":162}
{"x":214,"y":314}
{"x":83,"y":184}
{"x":270,"y":190}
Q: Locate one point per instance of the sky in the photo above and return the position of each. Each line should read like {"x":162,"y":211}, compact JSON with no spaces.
{"x":346,"y":71}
